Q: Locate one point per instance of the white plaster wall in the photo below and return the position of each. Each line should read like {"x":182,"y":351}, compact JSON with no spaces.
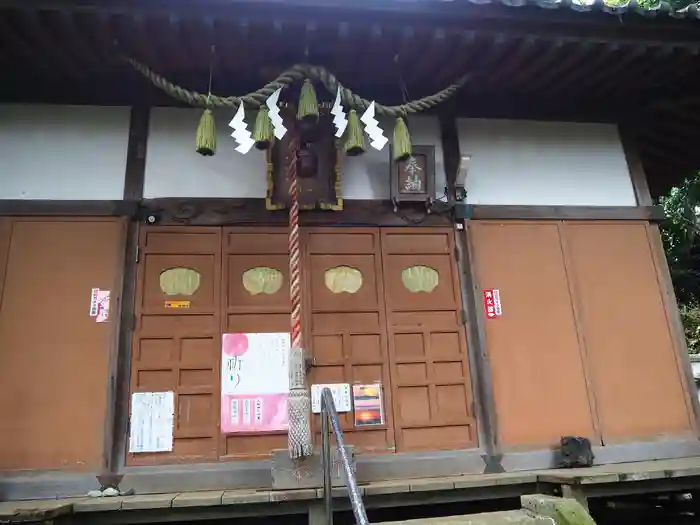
{"x":545,"y":163}
{"x":175,"y":169}
{"x":513,"y":162}
{"x":696,"y":369}
{"x":63,"y":152}
{"x":367,"y":176}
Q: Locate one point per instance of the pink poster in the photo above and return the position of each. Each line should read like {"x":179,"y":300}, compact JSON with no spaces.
{"x":254,"y":382}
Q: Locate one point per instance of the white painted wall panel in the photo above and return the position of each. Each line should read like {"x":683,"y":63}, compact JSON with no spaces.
{"x":63,"y":152}
{"x":367,"y":176}
{"x":514,"y":162}
{"x":175,"y":169}
{"x":545,"y":163}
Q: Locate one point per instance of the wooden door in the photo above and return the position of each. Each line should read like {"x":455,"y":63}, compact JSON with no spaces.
{"x":635,"y":372}
{"x":255,"y":298}
{"x":538,"y":371}
{"x":177,"y":335}
{"x":347,"y":333}
{"x":431,"y":390}
{"x":54,"y":357}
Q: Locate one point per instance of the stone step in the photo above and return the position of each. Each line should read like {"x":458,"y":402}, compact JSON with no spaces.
{"x":538,"y":509}
{"x":512,"y":517}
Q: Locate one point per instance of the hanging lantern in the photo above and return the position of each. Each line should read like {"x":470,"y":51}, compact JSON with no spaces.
{"x":402,"y":140}
{"x":354,"y":135}
{"x":206,"y":134}
{"x":262,"y":131}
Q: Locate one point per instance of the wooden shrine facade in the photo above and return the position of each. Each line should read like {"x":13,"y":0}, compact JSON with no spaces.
{"x":579,"y":259}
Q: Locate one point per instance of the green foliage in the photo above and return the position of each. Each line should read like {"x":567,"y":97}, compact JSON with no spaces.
{"x":690,"y":314}
{"x":682,"y":244}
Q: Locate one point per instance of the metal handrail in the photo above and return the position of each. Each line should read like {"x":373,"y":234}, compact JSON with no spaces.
{"x":329,"y":414}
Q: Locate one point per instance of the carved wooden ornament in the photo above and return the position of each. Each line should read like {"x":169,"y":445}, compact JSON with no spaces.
{"x":343,"y":279}
{"x":420,"y":279}
{"x":262,"y":279}
{"x":179,"y":281}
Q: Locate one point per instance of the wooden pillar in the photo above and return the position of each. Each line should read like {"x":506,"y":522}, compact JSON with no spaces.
{"x":116,"y":418}
{"x":644,"y":198}
{"x":484,"y":404}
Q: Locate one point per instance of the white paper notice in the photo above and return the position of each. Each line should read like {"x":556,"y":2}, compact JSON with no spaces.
{"x":93,"y":301}
{"x":260,"y":369}
{"x":340,"y":393}
{"x":152,"y":416}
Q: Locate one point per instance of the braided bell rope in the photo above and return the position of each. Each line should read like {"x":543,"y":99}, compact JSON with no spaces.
{"x":299,"y":403}
{"x":294,"y":74}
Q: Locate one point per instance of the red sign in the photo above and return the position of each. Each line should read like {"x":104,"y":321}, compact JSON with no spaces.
{"x":492,"y":303}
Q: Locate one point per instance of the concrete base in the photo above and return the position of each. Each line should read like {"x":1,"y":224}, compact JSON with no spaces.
{"x":278,"y":472}
{"x":288,"y":474}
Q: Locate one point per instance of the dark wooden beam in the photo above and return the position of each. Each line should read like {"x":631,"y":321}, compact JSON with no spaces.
{"x":39,"y":33}
{"x":119,"y":417}
{"x":484,"y":403}
{"x":614,"y":68}
{"x":449,"y":138}
{"x":540,"y":63}
{"x":78,"y":45}
{"x":116,"y":417}
{"x":135,"y":176}
{"x":635,"y":165}
{"x":218,"y":212}
{"x":570,"y":62}
{"x":482,"y":377}
{"x":511,"y":64}
{"x":23,"y":49}
{"x":221,"y":212}
{"x":80,"y":208}
{"x":662,"y":26}
{"x":611,"y":213}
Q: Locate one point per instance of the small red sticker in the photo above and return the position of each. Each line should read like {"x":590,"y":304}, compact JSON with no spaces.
{"x":492,"y":303}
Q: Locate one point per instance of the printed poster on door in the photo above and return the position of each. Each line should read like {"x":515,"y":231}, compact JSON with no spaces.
{"x":254,"y":382}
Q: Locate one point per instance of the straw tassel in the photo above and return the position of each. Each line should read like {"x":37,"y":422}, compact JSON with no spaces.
{"x":262,"y":131}
{"x":354,"y":135}
{"x":308,"y":103}
{"x":402,"y":141}
{"x":206,"y":134}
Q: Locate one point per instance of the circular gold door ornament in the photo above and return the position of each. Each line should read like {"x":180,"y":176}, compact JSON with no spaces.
{"x":180,"y":281}
{"x":420,"y":279}
{"x":343,"y":279}
{"x":262,"y":280}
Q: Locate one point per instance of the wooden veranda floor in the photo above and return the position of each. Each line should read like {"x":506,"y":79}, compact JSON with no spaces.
{"x":604,"y":481}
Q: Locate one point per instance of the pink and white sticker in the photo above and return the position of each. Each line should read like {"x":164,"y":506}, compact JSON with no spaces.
{"x":492,"y":303}
{"x":99,"y":305}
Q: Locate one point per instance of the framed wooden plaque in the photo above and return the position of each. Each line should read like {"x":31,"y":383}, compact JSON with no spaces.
{"x":413,"y":179}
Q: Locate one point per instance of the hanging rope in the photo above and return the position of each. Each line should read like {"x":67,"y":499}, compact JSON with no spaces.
{"x":299,"y":404}
{"x":294,"y":74}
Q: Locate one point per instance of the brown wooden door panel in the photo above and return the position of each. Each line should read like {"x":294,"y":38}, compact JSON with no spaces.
{"x":54,"y":357}
{"x":244,"y":288}
{"x":5,"y":236}
{"x":177,"y":349}
{"x":253,"y":302}
{"x":635,"y":373}
{"x":536,"y":363}
{"x":431,"y":387}
{"x":347,"y":328}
